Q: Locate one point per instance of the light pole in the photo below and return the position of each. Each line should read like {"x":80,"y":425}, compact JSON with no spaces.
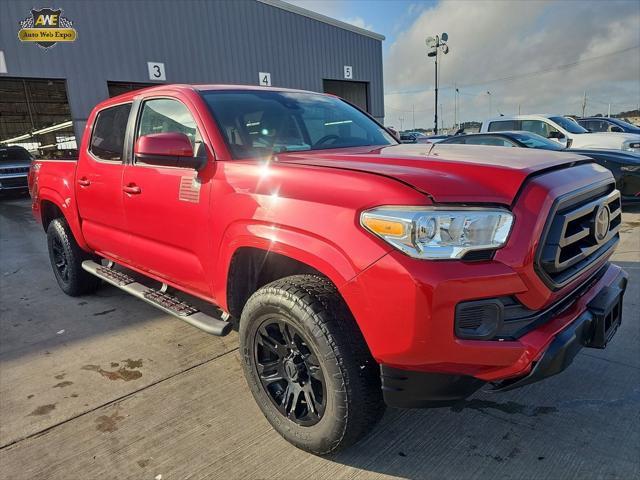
{"x":456,"y":120}
{"x":435,"y":44}
{"x":490,"y":109}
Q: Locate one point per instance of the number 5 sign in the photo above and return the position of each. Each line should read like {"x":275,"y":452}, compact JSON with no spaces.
{"x":348,"y":72}
{"x":156,"y":71}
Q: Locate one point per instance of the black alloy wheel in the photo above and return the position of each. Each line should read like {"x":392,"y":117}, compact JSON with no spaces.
{"x":66,"y":259}
{"x":290,"y":372}
{"x":60,"y":260}
{"x":307,"y":364}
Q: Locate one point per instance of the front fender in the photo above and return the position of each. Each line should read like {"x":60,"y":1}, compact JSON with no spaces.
{"x":305,"y":247}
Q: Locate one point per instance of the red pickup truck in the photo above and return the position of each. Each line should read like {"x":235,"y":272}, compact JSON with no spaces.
{"x":360,"y":272}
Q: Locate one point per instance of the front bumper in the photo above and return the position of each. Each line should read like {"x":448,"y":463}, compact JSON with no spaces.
{"x":592,"y":328}
{"x":13,"y":182}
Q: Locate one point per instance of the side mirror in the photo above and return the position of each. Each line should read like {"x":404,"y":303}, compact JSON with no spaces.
{"x":169,"y":149}
{"x":555,"y":134}
{"x":615,"y":129}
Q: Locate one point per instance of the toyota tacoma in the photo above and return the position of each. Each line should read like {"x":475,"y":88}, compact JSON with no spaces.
{"x":359,"y":272}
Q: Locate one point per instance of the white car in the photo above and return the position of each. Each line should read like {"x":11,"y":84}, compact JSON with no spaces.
{"x":564,"y":131}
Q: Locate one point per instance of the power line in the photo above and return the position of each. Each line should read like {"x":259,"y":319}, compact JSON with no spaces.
{"x":527,"y":74}
{"x":555,"y":68}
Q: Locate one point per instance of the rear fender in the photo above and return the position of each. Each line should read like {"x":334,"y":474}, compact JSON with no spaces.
{"x":68,"y":207}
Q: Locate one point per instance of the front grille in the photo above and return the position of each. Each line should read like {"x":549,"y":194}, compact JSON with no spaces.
{"x":14,"y":182}
{"x":13,"y":170}
{"x":582,"y":228}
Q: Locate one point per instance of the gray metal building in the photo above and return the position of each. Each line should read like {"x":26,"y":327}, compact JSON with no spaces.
{"x":122,"y":45}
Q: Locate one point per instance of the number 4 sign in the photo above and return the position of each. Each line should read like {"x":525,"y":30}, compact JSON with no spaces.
{"x":264,"y":79}
{"x":156,"y":71}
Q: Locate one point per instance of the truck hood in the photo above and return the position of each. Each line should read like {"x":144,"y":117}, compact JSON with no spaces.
{"x":447,"y":173}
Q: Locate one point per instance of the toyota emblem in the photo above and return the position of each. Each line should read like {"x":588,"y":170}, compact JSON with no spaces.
{"x":601,"y":223}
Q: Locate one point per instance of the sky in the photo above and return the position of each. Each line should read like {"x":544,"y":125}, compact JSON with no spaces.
{"x":505,"y":56}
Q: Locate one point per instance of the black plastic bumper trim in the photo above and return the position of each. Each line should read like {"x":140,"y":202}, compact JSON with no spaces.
{"x":582,"y":332}
{"x":411,"y":389}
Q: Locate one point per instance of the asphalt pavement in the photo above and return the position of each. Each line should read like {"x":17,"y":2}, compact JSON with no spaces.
{"x":108,"y":387}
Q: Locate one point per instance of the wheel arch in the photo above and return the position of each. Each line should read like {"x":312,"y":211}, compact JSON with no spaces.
{"x":52,"y":206}
{"x":253,"y":255}
{"x":251,"y":268}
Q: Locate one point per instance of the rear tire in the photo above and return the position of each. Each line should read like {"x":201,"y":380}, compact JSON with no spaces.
{"x":66,"y":260}
{"x":322,"y":356}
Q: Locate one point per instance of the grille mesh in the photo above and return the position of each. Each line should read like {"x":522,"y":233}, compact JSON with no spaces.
{"x":572,"y":243}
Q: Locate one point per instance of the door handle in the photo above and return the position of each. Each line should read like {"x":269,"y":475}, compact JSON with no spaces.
{"x":84,"y":182}
{"x":132,"y":189}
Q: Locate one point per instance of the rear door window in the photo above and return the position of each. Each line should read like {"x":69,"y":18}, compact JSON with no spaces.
{"x":109,"y":128}
{"x":588,"y":124}
{"x":504,"y":125}
{"x":538,"y":126}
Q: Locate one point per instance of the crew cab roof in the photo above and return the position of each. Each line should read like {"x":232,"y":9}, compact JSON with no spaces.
{"x":195,"y":87}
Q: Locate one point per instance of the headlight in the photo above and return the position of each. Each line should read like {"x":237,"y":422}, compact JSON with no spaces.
{"x":439,"y":233}
{"x":630,"y":168}
{"x":631,"y":146}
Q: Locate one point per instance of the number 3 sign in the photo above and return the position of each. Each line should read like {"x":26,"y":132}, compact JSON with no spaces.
{"x":156,"y":71}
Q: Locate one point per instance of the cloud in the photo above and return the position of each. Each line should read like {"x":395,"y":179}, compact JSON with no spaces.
{"x":333,"y":8}
{"x":509,"y":41}
{"x":357,"y":22}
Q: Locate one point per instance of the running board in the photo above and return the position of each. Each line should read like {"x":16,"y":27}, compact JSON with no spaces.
{"x":160,"y":299}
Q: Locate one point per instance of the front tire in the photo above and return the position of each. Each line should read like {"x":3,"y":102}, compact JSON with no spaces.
{"x":66,"y":260}
{"x":308,"y":366}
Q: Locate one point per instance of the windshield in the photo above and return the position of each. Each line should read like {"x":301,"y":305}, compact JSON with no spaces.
{"x":533,"y":140}
{"x":569,"y":125}
{"x":259,"y":123}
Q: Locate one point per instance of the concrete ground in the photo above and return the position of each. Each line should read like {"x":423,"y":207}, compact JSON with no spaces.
{"x":106,"y":386}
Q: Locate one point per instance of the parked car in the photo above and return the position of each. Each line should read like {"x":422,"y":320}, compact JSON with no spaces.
{"x":436,"y":138}
{"x":360,"y":273}
{"x":607,"y":124}
{"x":566,"y":132}
{"x":625,"y":166}
{"x":413,"y":137}
{"x":14,"y":168}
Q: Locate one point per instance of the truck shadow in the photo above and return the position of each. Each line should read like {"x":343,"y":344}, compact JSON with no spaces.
{"x":35,"y":316}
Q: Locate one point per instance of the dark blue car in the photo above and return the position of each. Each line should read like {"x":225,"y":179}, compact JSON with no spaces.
{"x":606,"y":124}
{"x":625,"y":166}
